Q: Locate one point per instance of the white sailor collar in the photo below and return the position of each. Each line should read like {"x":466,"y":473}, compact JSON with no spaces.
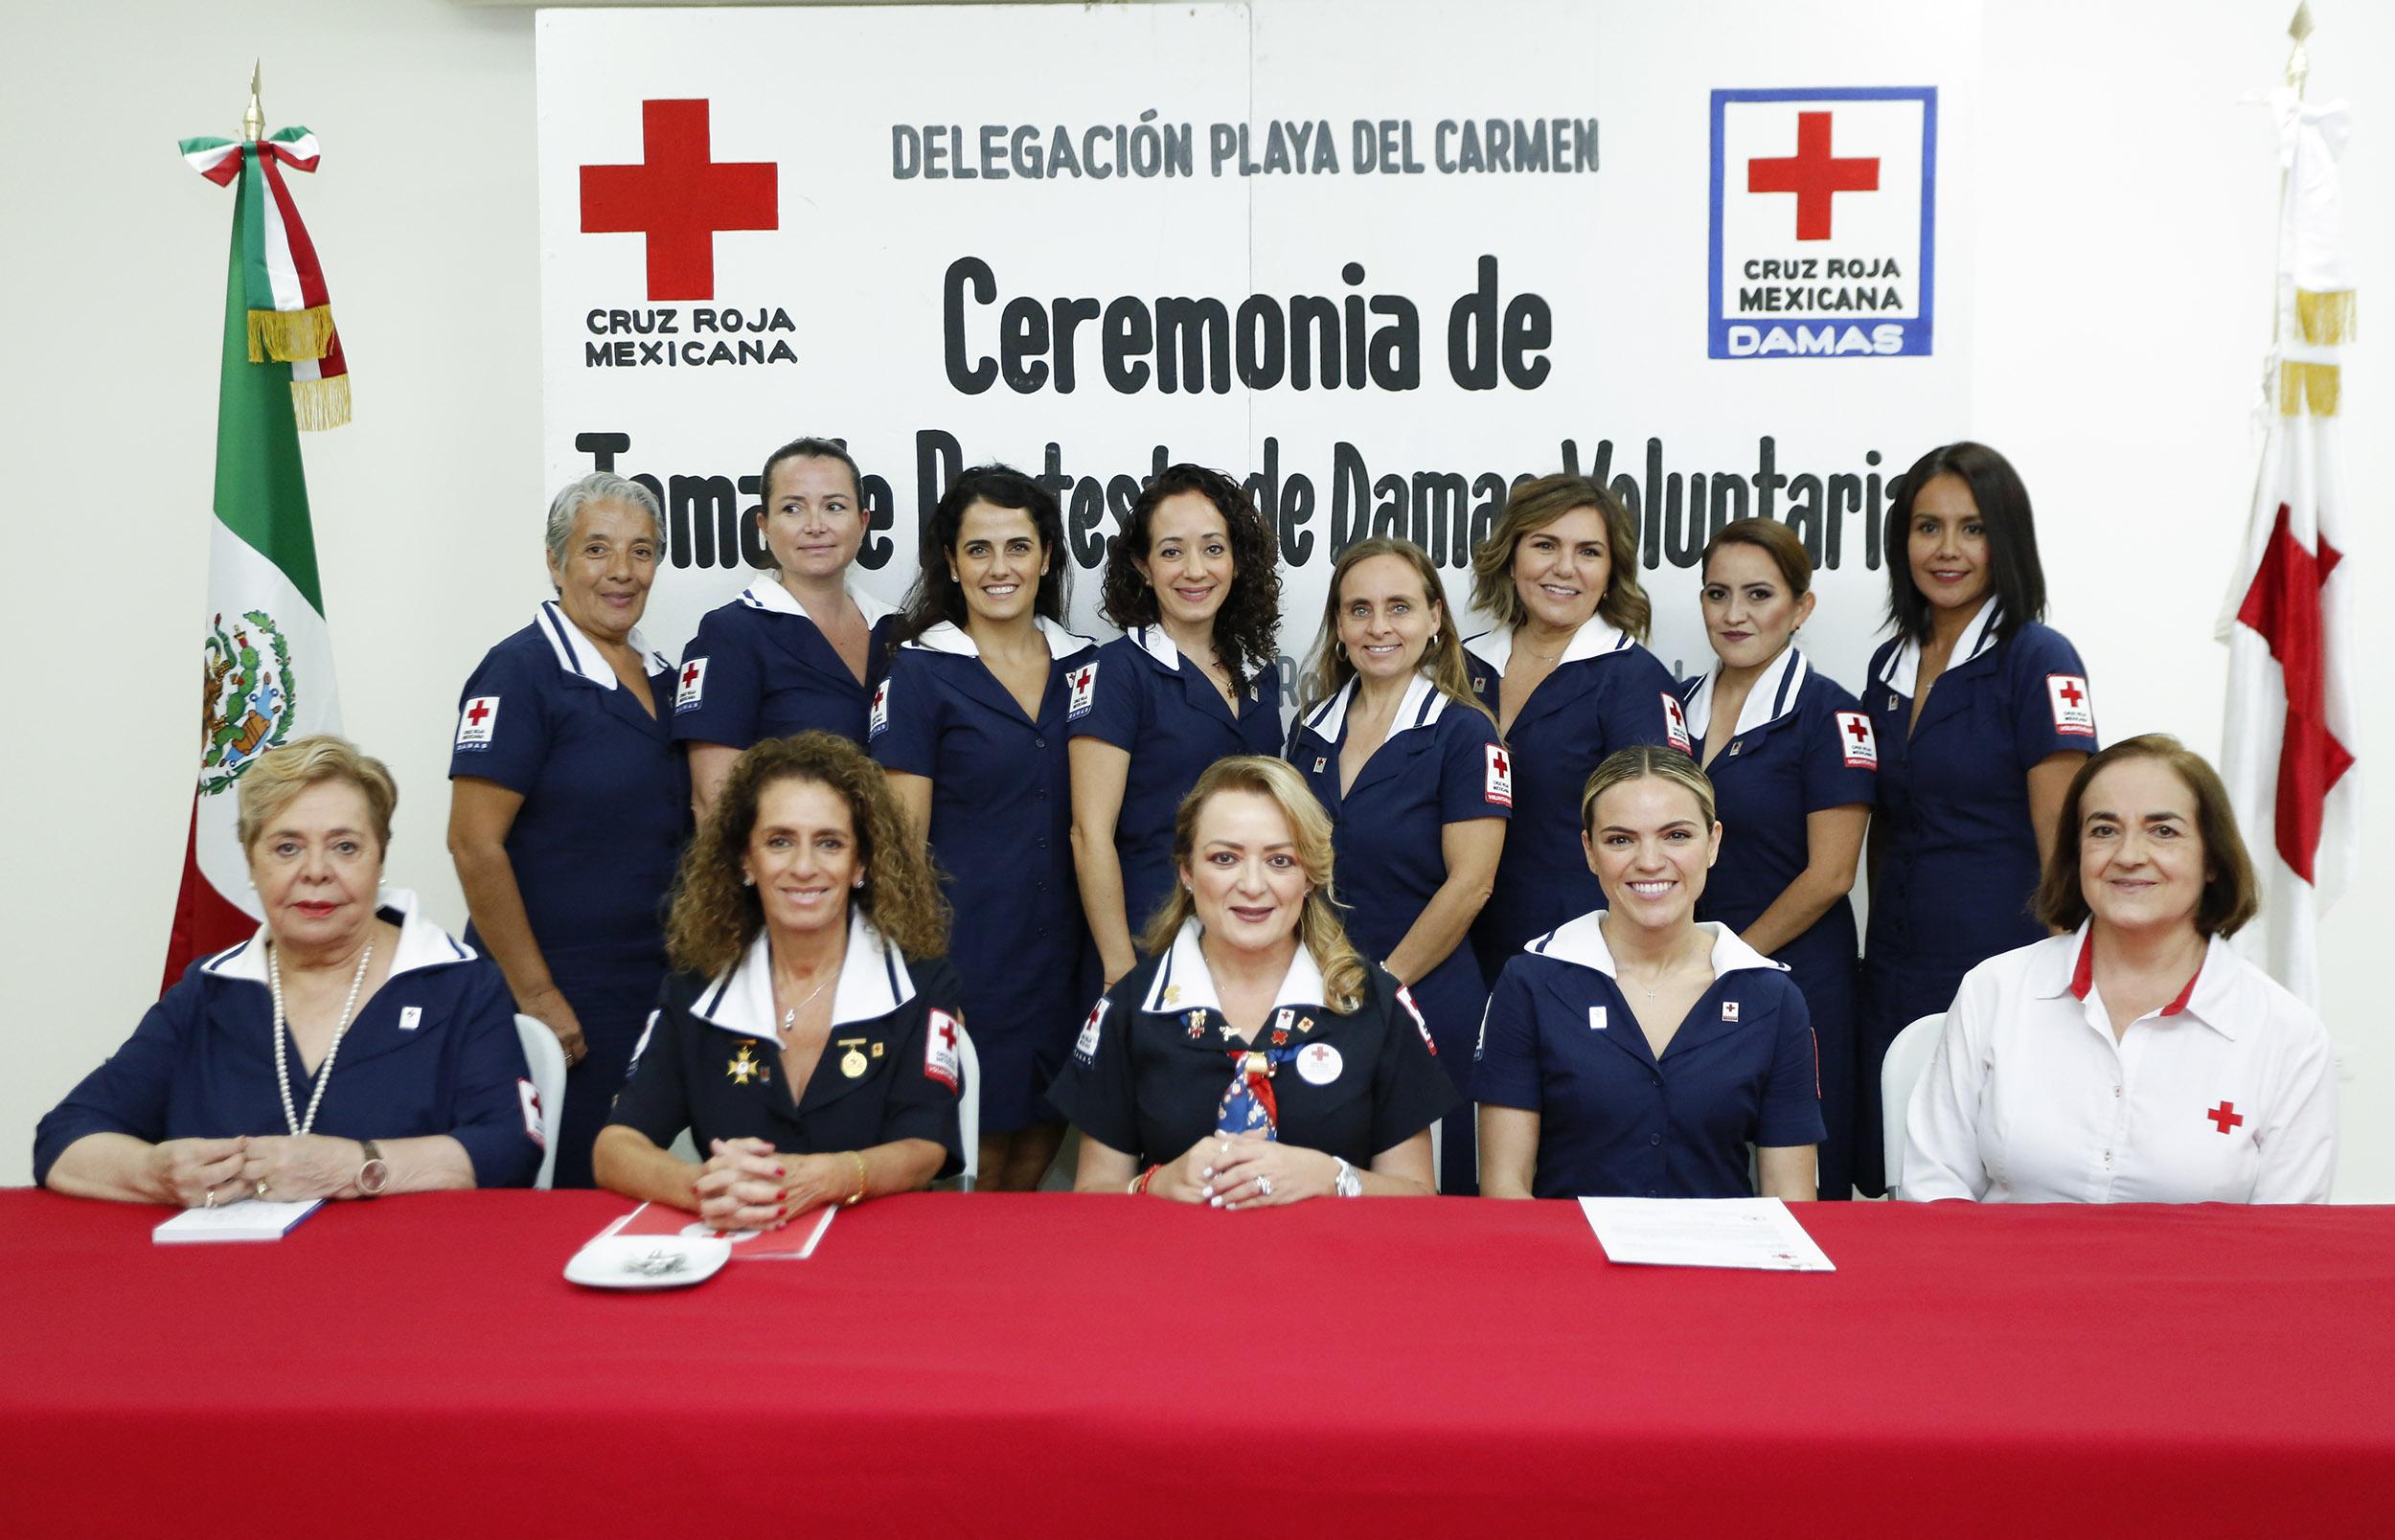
{"x":1596,"y":637}
{"x":1582,"y":942}
{"x":578,"y":655}
{"x":766,"y":592}
{"x":874,"y":981}
{"x":953,"y":639}
{"x":1152,"y":639}
{"x":2214,"y":997}
{"x":422,"y":944}
{"x":1423,"y":704}
{"x":1903,"y":664}
{"x":1772,"y":695}
{"x":1184,"y":982}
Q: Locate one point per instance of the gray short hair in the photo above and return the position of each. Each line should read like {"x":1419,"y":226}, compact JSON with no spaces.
{"x":599,"y":486}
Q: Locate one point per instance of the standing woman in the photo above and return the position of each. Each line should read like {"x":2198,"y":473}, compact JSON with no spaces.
{"x":1564,"y":675}
{"x":1193,"y":678}
{"x":969,"y":726}
{"x":567,"y":802}
{"x":1794,"y":770}
{"x":1393,"y":743}
{"x":800,"y":649}
{"x":1982,"y":718}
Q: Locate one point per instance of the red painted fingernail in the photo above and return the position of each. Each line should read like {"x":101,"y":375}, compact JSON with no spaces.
{"x":778,"y":1172}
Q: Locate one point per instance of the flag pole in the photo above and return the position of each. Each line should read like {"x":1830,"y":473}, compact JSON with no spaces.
{"x":254,"y":116}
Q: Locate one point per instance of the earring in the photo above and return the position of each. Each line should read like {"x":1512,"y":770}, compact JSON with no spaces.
{"x":748,"y":879}
{"x":856,"y":881}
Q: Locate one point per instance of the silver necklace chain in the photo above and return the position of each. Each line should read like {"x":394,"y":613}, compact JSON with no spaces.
{"x":790,"y":1016}
{"x":281,"y":1029}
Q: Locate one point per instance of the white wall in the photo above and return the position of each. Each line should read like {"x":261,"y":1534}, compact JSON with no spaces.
{"x":2122,"y":251}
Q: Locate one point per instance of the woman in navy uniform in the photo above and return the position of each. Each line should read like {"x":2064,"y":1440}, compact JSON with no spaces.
{"x":568,"y":801}
{"x":970,"y":726}
{"x":1194,"y":676}
{"x":809,"y":1039}
{"x":1394,"y":743}
{"x":348,"y":1050}
{"x":1982,"y":718}
{"x":1253,"y":1059}
{"x":1634,"y":1052}
{"x":1568,"y":683}
{"x":799,"y":649}
{"x":1794,"y":767}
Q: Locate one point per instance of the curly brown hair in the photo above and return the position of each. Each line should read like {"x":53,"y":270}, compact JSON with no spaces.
{"x":715,"y":915}
{"x":1247,"y":629}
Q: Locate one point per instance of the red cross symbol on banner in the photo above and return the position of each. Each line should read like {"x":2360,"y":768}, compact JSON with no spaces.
{"x":481,"y":710}
{"x":1814,"y":174}
{"x":679,"y":196}
{"x":2072,"y":694}
{"x":1856,"y":731}
{"x":2226,"y":1115}
{"x":689,"y":674}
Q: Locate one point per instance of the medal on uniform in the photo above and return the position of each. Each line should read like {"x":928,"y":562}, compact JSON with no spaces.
{"x":1172,"y":995}
{"x":877,"y":1050}
{"x":742,"y":1068}
{"x":1305,"y":1024}
{"x":1736,"y":744}
{"x":851,"y":1062}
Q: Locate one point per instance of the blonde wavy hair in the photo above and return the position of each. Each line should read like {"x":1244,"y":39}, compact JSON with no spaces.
{"x":1534,"y":505}
{"x":280,"y":775}
{"x":715,"y":915}
{"x":1441,"y":657}
{"x":1318,"y":927}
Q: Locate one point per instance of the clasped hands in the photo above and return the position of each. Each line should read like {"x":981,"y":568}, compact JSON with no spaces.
{"x":1243,"y":1171}
{"x":747,"y":1184}
{"x":205,"y":1173}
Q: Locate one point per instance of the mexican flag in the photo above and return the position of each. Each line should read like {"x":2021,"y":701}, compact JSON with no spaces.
{"x":266,"y":660}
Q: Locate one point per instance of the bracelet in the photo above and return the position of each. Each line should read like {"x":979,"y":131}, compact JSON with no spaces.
{"x":856,"y":1197}
{"x":1139,"y":1183}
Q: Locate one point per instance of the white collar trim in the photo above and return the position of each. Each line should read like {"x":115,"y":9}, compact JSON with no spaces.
{"x":1184,"y":982}
{"x":422,"y":944}
{"x":766,"y":592}
{"x":953,"y":639}
{"x":1582,"y":942}
{"x":1772,"y":695}
{"x":1904,"y":666}
{"x":1596,"y":637}
{"x":577,"y":654}
{"x":1330,"y":718}
{"x":1152,"y":639}
{"x":874,"y":981}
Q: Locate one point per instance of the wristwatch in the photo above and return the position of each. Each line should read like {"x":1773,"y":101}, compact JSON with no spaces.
{"x":375,"y":1176}
{"x":1347,"y":1184}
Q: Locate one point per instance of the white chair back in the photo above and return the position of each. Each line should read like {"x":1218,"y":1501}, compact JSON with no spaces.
{"x":1907,"y":1058}
{"x":968,"y":1107}
{"x":547,"y":1062}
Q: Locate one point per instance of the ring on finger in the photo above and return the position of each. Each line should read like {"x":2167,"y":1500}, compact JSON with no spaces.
{"x":261,"y":1187}
{"x":212,"y":1199}
{"x":1264,"y":1187}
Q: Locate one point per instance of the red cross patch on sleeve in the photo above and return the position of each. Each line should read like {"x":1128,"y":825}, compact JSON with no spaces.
{"x":1856,"y":742}
{"x":1085,"y":682}
{"x":2067,"y":695}
{"x":1676,"y":722}
{"x":1406,"y":998}
{"x":1086,"y":1048}
{"x":941,"y":1054}
{"x":1498,"y":791}
{"x":478,"y":722}
{"x":530,"y":1096}
{"x":880,"y":714}
{"x":693,"y":684}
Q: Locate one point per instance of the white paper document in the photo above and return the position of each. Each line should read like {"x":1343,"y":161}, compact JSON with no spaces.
{"x":1757,"y":1233}
{"x":250,"y":1219}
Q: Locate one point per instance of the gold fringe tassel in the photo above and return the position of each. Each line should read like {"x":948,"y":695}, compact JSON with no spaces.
{"x":2307,"y":388}
{"x":319,"y":404}
{"x":2325,"y":317}
{"x":289,"y":336}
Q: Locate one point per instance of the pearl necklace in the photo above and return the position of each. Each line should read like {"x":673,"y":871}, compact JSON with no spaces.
{"x":281,"y":1029}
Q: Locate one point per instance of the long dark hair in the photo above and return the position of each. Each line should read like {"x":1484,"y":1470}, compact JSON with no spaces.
{"x":936,"y":595}
{"x":2014,"y":577}
{"x":1247,"y":629}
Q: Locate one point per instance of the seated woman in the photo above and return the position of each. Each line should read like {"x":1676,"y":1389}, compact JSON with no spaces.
{"x":2138,"y":1061}
{"x":224,"y":1090}
{"x":809,"y":1041}
{"x":1633,"y":1052}
{"x":1177,"y":1081}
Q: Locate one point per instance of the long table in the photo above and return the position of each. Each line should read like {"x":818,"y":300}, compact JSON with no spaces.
{"x":1058,"y":1365}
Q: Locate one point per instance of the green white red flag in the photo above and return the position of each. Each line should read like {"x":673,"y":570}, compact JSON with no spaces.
{"x":266,"y":658}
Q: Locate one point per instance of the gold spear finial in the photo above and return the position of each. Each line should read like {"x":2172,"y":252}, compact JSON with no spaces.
{"x":2299,"y":60}
{"x":254,"y":117}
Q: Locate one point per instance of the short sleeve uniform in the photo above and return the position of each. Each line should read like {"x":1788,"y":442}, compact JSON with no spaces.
{"x":431,"y":1051}
{"x":1957,"y":853}
{"x":1001,"y":835}
{"x":1141,"y":695}
{"x":594,"y":845}
{"x":759,"y":668}
{"x":711,"y":1060}
{"x":1148,"y":1075}
{"x":1440,"y":764}
{"x":1605,"y":693}
{"x":1614,"y":1119}
{"x":1801,"y":745}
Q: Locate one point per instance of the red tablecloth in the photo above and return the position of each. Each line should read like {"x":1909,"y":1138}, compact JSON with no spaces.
{"x":1065,"y":1365}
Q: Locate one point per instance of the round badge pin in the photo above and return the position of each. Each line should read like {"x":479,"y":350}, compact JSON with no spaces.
{"x":853,"y":1064}
{"x":1318,"y":1064}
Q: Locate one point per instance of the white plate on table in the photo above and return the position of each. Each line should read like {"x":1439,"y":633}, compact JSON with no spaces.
{"x":648,"y":1261}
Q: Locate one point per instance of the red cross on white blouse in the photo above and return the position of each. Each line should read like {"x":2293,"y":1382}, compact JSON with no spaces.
{"x":2226,"y":1115}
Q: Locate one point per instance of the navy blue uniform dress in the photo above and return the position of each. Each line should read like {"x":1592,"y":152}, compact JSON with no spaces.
{"x":432,"y":1051}
{"x":1957,"y":855}
{"x":759,"y":668}
{"x":1802,"y":744}
{"x":1440,"y":764}
{"x":1155,"y":1057}
{"x":1614,"y":1119}
{"x":1001,"y":835}
{"x":1607,"y":692}
{"x":1141,"y":695}
{"x":711,"y":1060}
{"x":606,"y":806}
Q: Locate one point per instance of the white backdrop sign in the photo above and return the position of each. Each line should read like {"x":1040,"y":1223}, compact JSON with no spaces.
{"x":1380,"y":260}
